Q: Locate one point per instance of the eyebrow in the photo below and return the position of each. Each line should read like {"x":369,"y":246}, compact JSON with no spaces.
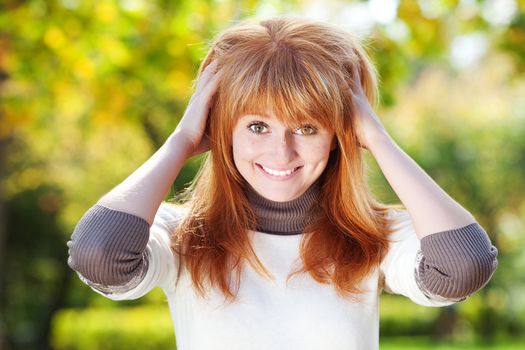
{"x":264,"y":116}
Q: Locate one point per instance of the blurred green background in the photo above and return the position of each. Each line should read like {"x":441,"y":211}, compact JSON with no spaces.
{"x":90,"y":89}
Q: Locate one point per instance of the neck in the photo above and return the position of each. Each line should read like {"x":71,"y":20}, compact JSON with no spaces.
{"x":284,"y":218}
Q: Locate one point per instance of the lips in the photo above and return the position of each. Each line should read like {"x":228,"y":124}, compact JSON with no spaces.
{"x":279,"y":173}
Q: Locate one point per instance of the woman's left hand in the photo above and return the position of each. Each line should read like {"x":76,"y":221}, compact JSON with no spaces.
{"x":369,"y":127}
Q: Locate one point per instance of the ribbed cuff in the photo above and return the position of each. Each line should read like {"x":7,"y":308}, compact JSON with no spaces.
{"x":107,"y":246}
{"x":456,"y":263}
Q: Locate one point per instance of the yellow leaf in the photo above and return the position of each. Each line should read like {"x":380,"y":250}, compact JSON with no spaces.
{"x":55,"y":38}
{"x":106,"y":12}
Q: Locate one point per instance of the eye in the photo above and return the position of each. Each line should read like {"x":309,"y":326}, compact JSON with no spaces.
{"x":306,"y":130}
{"x":257,"y":127}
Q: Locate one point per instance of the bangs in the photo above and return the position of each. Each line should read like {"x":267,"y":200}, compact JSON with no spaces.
{"x":297,"y":93}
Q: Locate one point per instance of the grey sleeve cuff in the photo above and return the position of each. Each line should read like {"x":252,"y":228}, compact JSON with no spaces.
{"x":454,"y":264}
{"x":108,"y":249}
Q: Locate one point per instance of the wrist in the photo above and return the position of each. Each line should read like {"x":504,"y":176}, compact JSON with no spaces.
{"x":178,"y":141}
{"x":379,"y":140}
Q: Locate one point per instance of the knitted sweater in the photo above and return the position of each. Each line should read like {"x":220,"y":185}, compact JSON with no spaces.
{"x":274,"y":314}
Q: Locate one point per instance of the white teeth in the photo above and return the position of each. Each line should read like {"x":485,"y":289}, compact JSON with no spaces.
{"x":277,"y":172}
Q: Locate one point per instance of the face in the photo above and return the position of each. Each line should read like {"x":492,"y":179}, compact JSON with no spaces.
{"x":278,"y":162}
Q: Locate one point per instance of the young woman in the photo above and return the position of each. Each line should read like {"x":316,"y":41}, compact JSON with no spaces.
{"x":279,"y":243}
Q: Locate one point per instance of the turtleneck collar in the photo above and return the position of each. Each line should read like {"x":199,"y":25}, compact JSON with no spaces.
{"x":284,"y":218}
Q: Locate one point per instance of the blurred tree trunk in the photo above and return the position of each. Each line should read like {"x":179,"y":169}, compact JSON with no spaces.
{"x":54,"y":304}
{"x":3,"y":238}
{"x":4,"y":142}
{"x":446,"y":323}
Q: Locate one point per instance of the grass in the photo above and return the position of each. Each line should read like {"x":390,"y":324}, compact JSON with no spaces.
{"x":416,"y":343}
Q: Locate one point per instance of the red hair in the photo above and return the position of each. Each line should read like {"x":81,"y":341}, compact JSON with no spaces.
{"x":302,"y":70}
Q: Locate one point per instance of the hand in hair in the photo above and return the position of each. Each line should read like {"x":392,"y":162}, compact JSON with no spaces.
{"x":193,"y":123}
{"x":368,"y":124}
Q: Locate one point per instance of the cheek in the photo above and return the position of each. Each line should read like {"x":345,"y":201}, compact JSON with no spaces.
{"x":318,"y":152}
{"x":243,"y":149}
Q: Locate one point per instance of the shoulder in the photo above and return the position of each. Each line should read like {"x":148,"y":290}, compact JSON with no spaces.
{"x":170,"y":213}
{"x":401,"y":224}
{"x":168,"y":218}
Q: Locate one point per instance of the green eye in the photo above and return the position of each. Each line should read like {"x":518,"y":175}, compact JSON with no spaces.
{"x":306,"y":130}
{"x":257,"y":128}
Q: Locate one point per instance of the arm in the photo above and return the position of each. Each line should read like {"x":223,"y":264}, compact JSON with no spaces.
{"x":109,"y":245}
{"x":143,"y":191}
{"x":457,"y":257}
{"x":431,"y":208}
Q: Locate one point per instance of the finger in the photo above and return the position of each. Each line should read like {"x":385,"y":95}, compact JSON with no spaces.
{"x":358,"y":75}
{"x":357,"y":87}
{"x":213,"y":65}
{"x":356,"y":78}
{"x":211,"y":68}
{"x":209,"y":72}
{"x":212,"y":84}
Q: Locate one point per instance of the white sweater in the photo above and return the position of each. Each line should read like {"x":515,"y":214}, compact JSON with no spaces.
{"x":302,"y":314}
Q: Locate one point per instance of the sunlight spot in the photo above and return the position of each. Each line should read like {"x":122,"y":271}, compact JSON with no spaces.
{"x":499,"y":12}
{"x":383,"y":11}
{"x":356,"y":18}
{"x":466,"y":50}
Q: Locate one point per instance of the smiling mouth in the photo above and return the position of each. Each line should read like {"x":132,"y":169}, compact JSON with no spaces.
{"x":282,"y":173}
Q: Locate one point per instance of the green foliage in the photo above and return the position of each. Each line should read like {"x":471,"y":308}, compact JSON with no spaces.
{"x":400,"y":316}
{"x":418,"y":343}
{"x":37,"y":275}
{"x":467,"y":133}
{"x":145,"y":327}
{"x":90,"y":90}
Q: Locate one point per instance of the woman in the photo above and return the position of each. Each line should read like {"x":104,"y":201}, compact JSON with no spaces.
{"x":279,"y":243}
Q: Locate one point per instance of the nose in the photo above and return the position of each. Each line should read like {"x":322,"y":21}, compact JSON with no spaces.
{"x":285,"y":148}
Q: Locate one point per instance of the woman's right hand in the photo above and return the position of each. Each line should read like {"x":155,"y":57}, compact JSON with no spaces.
{"x":193,"y":122}
{"x":142,"y":192}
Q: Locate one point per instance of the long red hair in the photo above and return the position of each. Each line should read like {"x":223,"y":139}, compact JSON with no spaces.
{"x":303,"y":70}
